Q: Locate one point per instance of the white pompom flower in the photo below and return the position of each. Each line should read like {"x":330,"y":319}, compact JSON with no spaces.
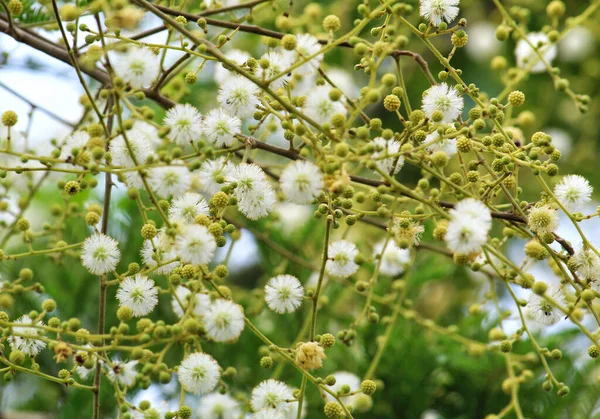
{"x":185,"y":124}
{"x":573,"y":192}
{"x":434,"y":143}
{"x":219,"y":127}
{"x":278,"y":63}
{"x":132,"y":152}
{"x":301,"y":181}
{"x":124,"y":373}
{"x":445,"y":99}
{"x":384,"y":148}
{"x":182,"y":298}
{"x":238,"y":57}
{"x":219,"y":406}
{"x":469,"y":225}
{"x":542,"y":311}
{"x":437,"y":11}
{"x":284,"y":293}
{"x":527,"y":57}
{"x":341,"y":256}
{"x":198,"y":373}
{"x":271,"y":395}
{"x":196,"y":245}
{"x":224,"y":321}
{"x":258,"y":204}
{"x":173,"y":180}
{"x":77,"y":140}
{"x":238,"y":96}
{"x":306,"y":46}
{"x":543,"y":219}
{"x":213,"y":174}
{"x":393,"y":259}
{"x":587,"y":265}
{"x":100,"y":254}
{"x":30,"y":345}
{"x":320,"y":107}
{"x":138,"y":66}
{"x":162,"y":252}
{"x":138,"y":293}
{"x":187,"y":207}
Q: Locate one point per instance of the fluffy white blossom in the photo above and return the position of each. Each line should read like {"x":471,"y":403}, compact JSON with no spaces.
{"x":196,"y":245}
{"x":138,"y":293}
{"x":482,"y":45}
{"x":238,"y":57}
{"x":573,"y":192}
{"x":211,"y":172}
{"x":78,"y":140}
{"x":140,"y":147}
{"x":301,"y":181}
{"x":542,"y":311}
{"x":393,"y":259}
{"x":577,"y":44}
{"x":587,"y":264}
{"x":284,"y":293}
{"x":219,"y":406}
{"x":219,"y":128}
{"x":438,"y":11}
{"x":29,"y":344}
{"x":122,"y":372}
{"x":341,"y":255}
{"x":271,"y":395}
{"x":384,"y":148}
{"x":173,"y":180}
{"x":306,"y":46}
{"x":238,"y":96}
{"x":163,"y":251}
{"x":445,"y":99}
{"x":138,"y":66}
{"x":100,"y":254}
{"x":469,"y":225}
{"x":256,"y":198}
{"x":543,"y":219}
{"x":149,"y":131}
{"x":224,"y":321}
{"x":433,"y":143}
{"x":526,"y":55}
{"x":344,"y":378}
{"x":182,"y":298}
{"x":320,"y":107}
{"x":186,"y":207}
{"x":198,"y":373}
{"x":278,"y":63}
{"x":185,"y":123}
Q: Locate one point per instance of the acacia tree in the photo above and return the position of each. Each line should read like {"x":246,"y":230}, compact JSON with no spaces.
{"x":385,"y":176}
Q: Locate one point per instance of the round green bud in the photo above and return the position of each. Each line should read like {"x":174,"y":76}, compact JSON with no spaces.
{"x":588,"y":295}
{"x":535,"y":250}
{"x":368,"y":387}
{"x":15,"y":7}
{"x":185,"y":412}
{"x":539,"y":287}
{"x":149,"y":231}
{"x":341,"y":149}
{"x":190,"y":78}
{"x":327,"y":340}
{"x":333,"y":410}
{"x":25,"y":274}
{"x":124,"y":313}
{"x":289,"y":42}
{"x":459,"y":38}
{"x":69,"y":12}
{"x":391,"y":103}
{"x":389,"y":80}
{"x":331,"y":23}
{"x":23,"y":224}
{"x":516,"y":98}
{"x":49,"y":305}
{"x":72,"y":187}
{"x":502,"y":32}
{"x":9,"y":118}
{"x":266,"y":362}
{"x":555,"y":9}
{"x":92,"y":218}
{"x":17,"y":357}
{"x":505,"y":346}
{"x":593,"y":351}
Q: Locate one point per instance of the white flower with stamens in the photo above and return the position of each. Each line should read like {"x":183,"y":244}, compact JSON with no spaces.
{"x":219,"y":128}
{"x":384,"y":148}
{"x":248,"y":177}
{"x":196,"y":245}
{"x":543,"y":219}
{"x":100,"y":254}
{"x":132,"y":152}
{"x":527,"y":56}
{"x":28,"y":343}
{"x":182,"y":298}
{"x":341,"y":255}
{"x":445,"y":99}
{"x":271,"y":395}
{"x":469,"y":225}
{"x":284,"y":293}
{"x":320,"y":107}
{"x":224,"y":321}
{"x":185,"y":124}
{"x":185,"y":208}
{"x":577,"y":44}
{"x":138,"y":66}
{"x":236,"y":56}
{"x":573,"y":192}
{"x":213,"y":174}
{"x":437,"y":11}
{"x":258,"y":204}
{"x":122,"y":372}
{"x":393,"y":260}
{"x":344,"y":378}
{"x":301,"y":181}
{"x":434,"y":142}
{"x":162,"y":252}
{"x":138,"y":293}
{"x":76,"y":140}
{"x":198,"y":373}
{"x":306,"y":46}
{"x":173,"y":180}
{"x":278,"y":63}
{"x":544,"y":312}
{"x":238,"y":96}
{"x":587,"y":264}
{"x":218,"y":406}
{"x":149,"y":131}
